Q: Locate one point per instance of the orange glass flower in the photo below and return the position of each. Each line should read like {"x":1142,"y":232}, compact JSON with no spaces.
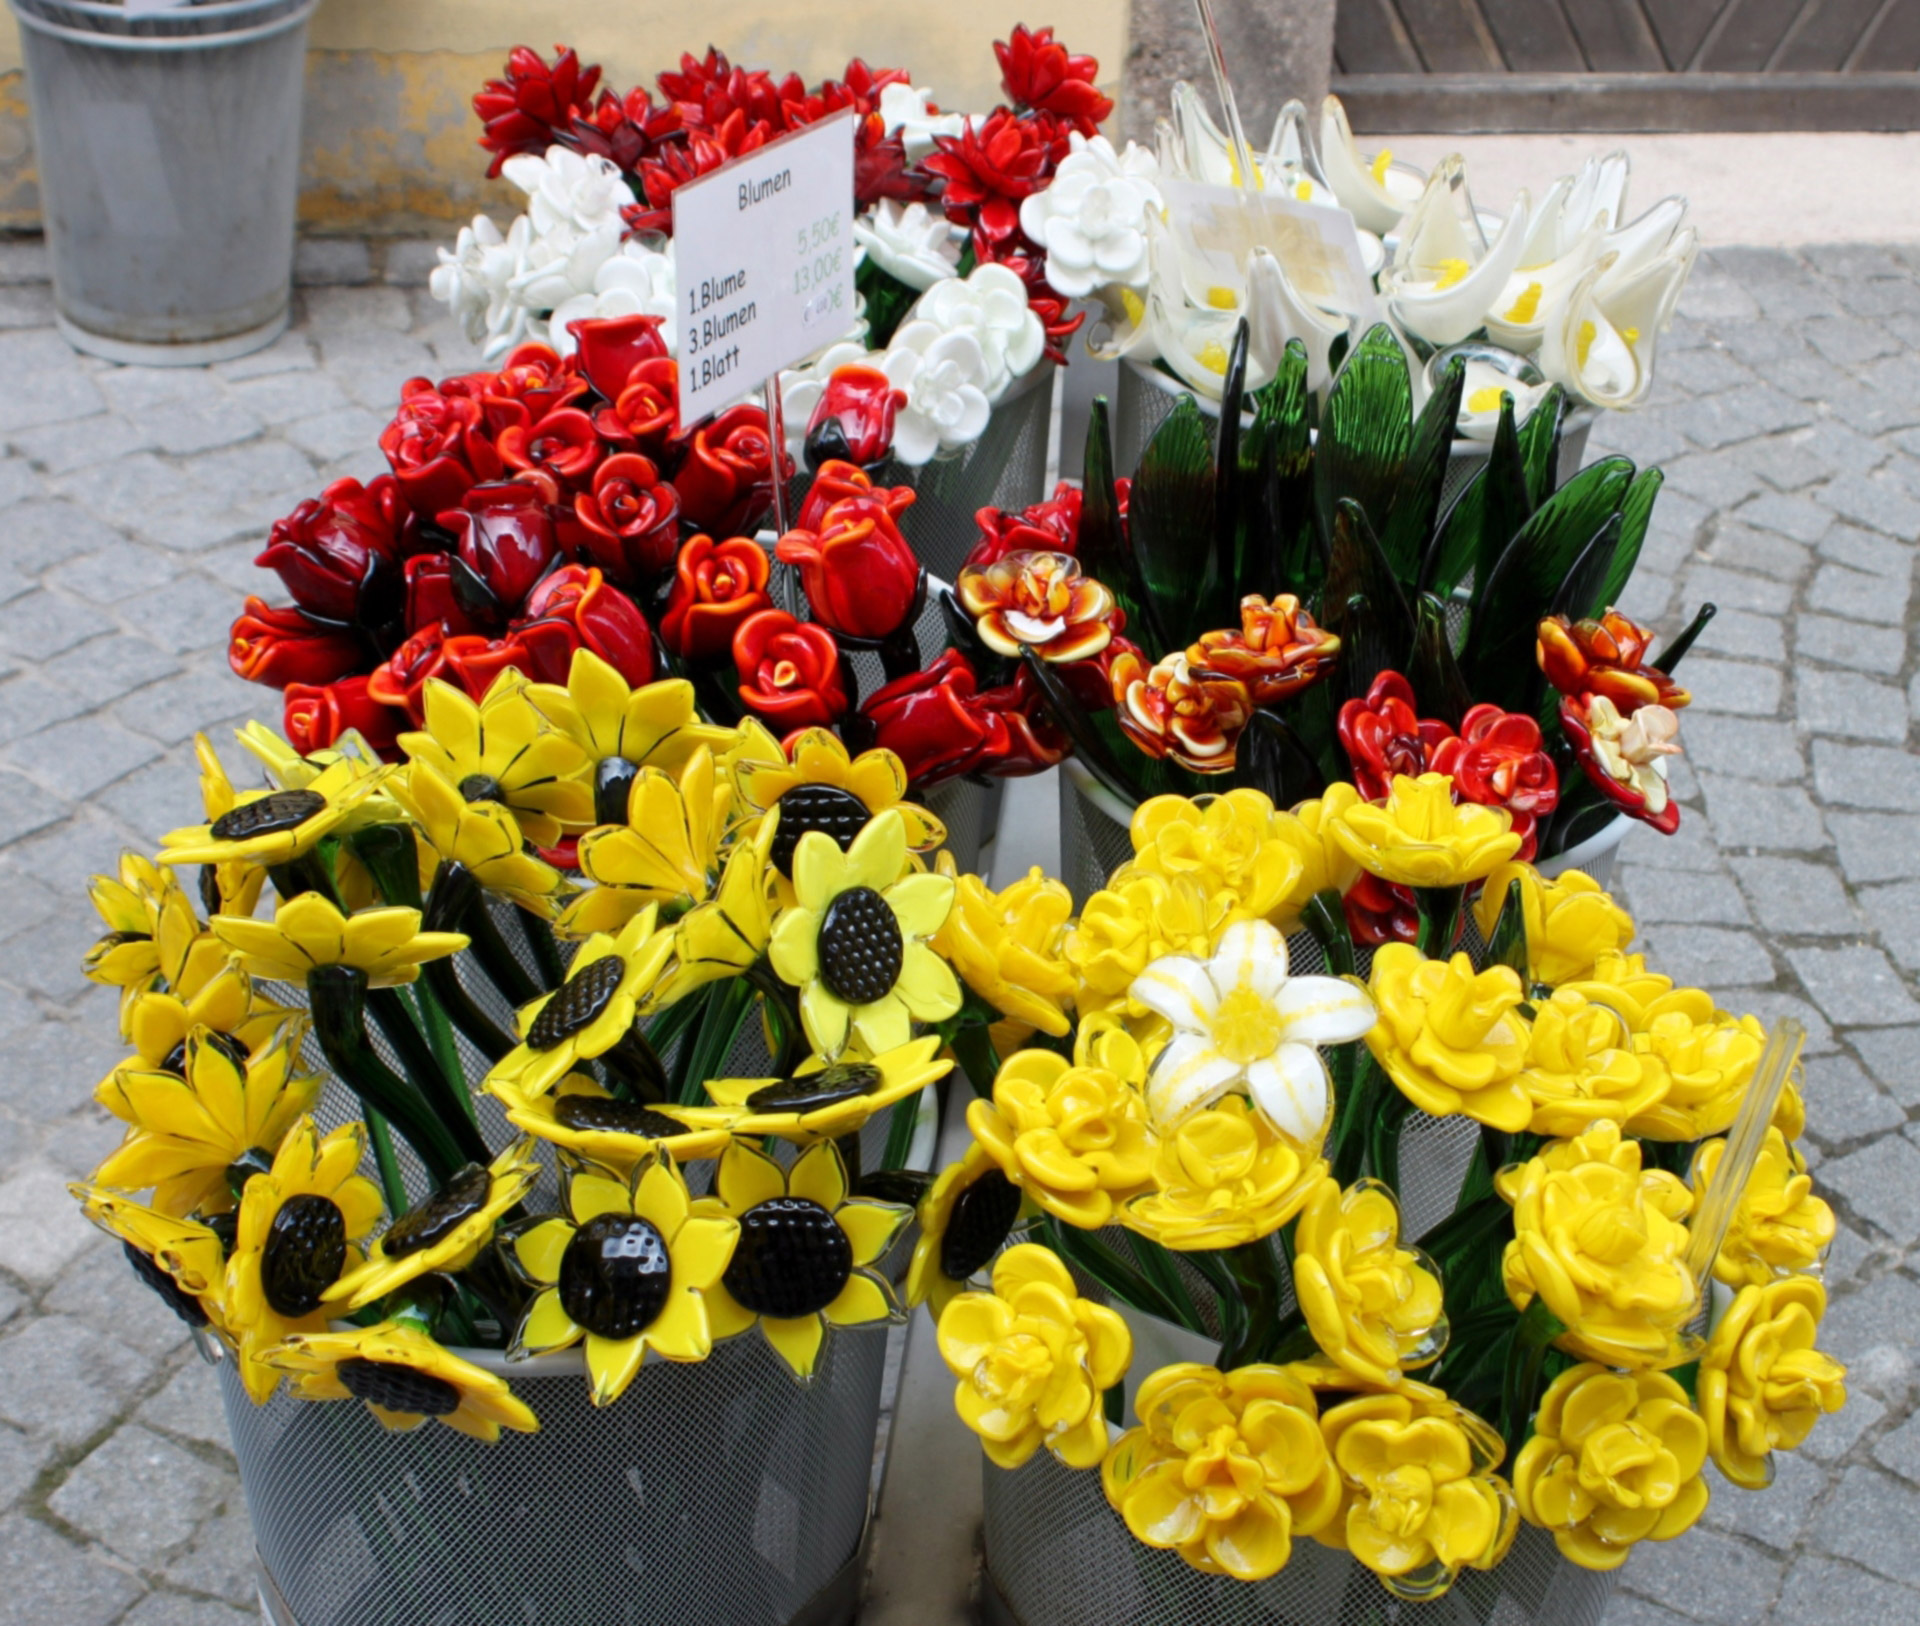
{"x":1171,"y":711}
{"x":1605,"y":657}
{"x":1038,"y":601}
{"x":1277,"y":652}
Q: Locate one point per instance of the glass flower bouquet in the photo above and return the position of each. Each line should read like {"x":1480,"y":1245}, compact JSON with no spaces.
{"x":1495,"y":1226}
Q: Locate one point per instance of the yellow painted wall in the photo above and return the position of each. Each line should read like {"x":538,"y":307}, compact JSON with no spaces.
{"x":389,"y":134}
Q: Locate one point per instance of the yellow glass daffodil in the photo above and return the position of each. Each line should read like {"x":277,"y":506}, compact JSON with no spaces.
{"x":1225,"y":1469}
{"x":1418,"y":837}
{"x":482,"y":836}
{"x":668,"y":851}
{"x":1073,"y":1135}
{"x":1762,"y":1383}
{"x":1624,"y":982}
{"x":180,"y":1259}
{"x":502,"y":749}
{"x":1325,"y":865}
{"x":628,"y":1269}
{"x":807,"y":1251}
{"x":1224,"y":1177}
{"x":269,"y":827}
{"x":855,"y":940}
{"x":1571,"y":921}
{"x":404,"y":1377}
{"x":823,"y":1100}
{"x":1421,"y":1503}
{"x":1601,"y":1240}
{"x":294,"y":1239}
{"x":308,"y":930}
{"x":876,"y":779}
{"x":1779,"y":1225}
{"x":1707,"y":1058}
{"x":1005,"y":946}
{"x":965,"y":1219}
{"x":607,"y":986}
{"x":1373,"y":1307}
{"x":579,"y":1117}
{"x":725,"y":935}
{"x":1451,"y":1039}
{"x":444,"y":1232}
{"x":1033,"y":1360}
{"x":1581,"y":1067}
{"x":137,"y":906}
{"x":1615,"y":1458}
{"x":656,"y":725}
{"x":1136,"y":920}
{"x":1224,"y":843}
{"x":187,"y":1128}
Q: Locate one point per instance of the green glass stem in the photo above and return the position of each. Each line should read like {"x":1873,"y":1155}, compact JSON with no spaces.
{"x":1256,"y":1271}
{"x":1357,"y":1107}
{"x":546,"y":950}
{"x":781,"y":1002}
{"x":447,"y":1096}
{"x":906,"y":1117}
{"x":391,"y":853}
{"x":1439,"y":908}
{"x":448,"y":904}
{"x":850,"y":1155}
{"x":635,"y":1070}
{"x":706,"y":1049}
{"x":1105,"y":1266}
{"x":392,"y":1185}
{"x":496,"y":959}
{"x":1383,"y":1137}
{"x":1156,"y":1265}
{"x":1327,"y":921}
{"x":1520,"y":1389}
{"x":307,"y":873}
{"x":973,"y":1049}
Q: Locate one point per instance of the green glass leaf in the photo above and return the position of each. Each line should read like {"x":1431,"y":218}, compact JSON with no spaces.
{"x":1171,"y":516}
{"x":1483,"y":518}
{"x":1508,"y":945}
{"x":1271,"y":759}
{"x":1635,"y":515}
{"x":1437,"y":682}
{"x":1416,"y":505}
{"x":1581,"y":594}
{"x":1089,"y":744}
{"x":1104,"y":552}
{"x":1229,"y":561}
{"x":1362,"y":604}
{"x":1298,"y":555}
{"x":1365,"y":432}
{"x":1540,"y":444}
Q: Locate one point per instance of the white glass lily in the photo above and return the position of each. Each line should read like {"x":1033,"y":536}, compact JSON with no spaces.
{"x":1445,"y":276}
{"x":801,"y":387}
{"x":471,"y":278}
{"x":636,"y":281}
{"x":990,"y":306}
{"x":909,"y":242}
{"x":1376,"y":191}
{"x":1600,"y":342}
{"x":1480,"y":393}
{"x":909,"y":109}
{"x":945,"y":377}
{"x":1092,"y":218}
{"x":1241,"y":1023}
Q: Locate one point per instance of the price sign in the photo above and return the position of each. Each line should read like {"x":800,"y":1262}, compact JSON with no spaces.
{"x":763,"y":262}
{"x":1317,"y":245}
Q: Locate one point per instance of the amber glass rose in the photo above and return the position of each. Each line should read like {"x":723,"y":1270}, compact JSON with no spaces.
{"x":1169,"y":711}
{"x":1605,"y":657}
{"x":1038,"y":601}
{"x":1277,"y":652}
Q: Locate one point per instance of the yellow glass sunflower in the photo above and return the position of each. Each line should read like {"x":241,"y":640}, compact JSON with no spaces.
{"x":276,"y":826}
{"x":238,"y":882}
{"x":854,"y":942}
{"x":307,"y":930}
{"x":823,"y":1100}
{"x":445,"y":1232}
{"x":502,"y":749}
{"x":483,"y":836}
{"x":875,"y":780}
{"x":135,"y":905}
{"x":656,"y":725}
{"x":725,"y":935}
{"x":631,"y":1267}
{"x":295,"y":1238}
{"x":580,"y":1117}
{"x":180,"y":1259}
{"x":404,"y":1377}
{"x":188,"y":1127}
{"x":965,"y":1218}
{"x":668,"y":851}
{"x":802,"y":1262}
{"x":589,"y":1013}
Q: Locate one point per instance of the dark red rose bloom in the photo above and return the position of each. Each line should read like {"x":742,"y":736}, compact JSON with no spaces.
{"x":727,"y":479}
{"x":992,"y":165}
{"x":1047,"y":527}
{"x":1038,"y":73}
{"x":630,"y":519}
{"x":280,"y":644}
{"x":704,"y":151}
{"x":315,"y":715}
{"x":1031,"y":743}
{"x":529,"y":109}
{"x":1384,"y":736}
{"x":1379,"y":912}
{"x":1500,"y":760}
{"x":789,"y":671}
{"x":574,"y":608}
{"x":504,"y":536}
{"x":931,"y":720}
{"x":401,"y":680}
{"x":834,"y":480}
{"x":858,"y":571}
{"x":852,"y":421}
{"x":339,"y":553}
{"x":880,"y":167}
{"x":437,"y":446}
{"x":431,"y":600}
{"x":611,"y":347}
{"x":645,"y":416}
{"x":716,"y":586}
{"x":533,"y":381}
{"x":626,"y":130}
{"x":564,"y":444}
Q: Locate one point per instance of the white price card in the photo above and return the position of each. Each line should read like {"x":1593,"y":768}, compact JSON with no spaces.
{"x":1316,"y":245}
{"x":763,"y":261}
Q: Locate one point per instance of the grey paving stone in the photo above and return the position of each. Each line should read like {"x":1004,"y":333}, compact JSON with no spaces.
{"x":1820,"y":1592}
{"x":1870,"y":1520}
{"x":1723,"y":420}
{"x":1849,"y":643}
{"x":1848,"y":1252}
{"x":1773,"y":1516}
{"x":1658,"y":896}
{"x":327,"y":260}
{"x":1849,"y":705}
{"x":25,"y":807}
{"x":21,"y":1460}
{"x":1742,"y":547}
{"x":1892,"y":1055}
{"x":103,"y":669}
{"x":1736,"y":589}
{"x":1792,"y":897}
{"x":1864,"y":550}
{"x":280,"y":398}
{"x":1866,"y":776}
{"x":43,"y":624}
{"x":1674,"y":531}
{"x":1876,"y":846}
{"x":77,"y":758}
{"x":291,"y":352}
{"x":221,"y":1560}
{"x":141,"y":1495}
{"x":1843,"y":1104}
{"x":1770,"y":1004}
{"x":1857,"y":595}
{"x":1895,"y":913}
{"x":1747,"y":814}
{"x":41,"y":1231}
{"x":177,"y":1609}
{"x":1732,"y":686}
{"x":184,"y":614}
{"x":1707,"y":956}
{"x":1706,"y":1576}
{"x":1742,"y":633}
{"x":102,"y":1289}
{"x":1835,"y":1434}
{"x":172,"y":711}
{"x":63,"y":1381}
{"x":1734,"y":745}
{"x":189,"y":1406}
{"x":1879,"y":507}
{"x":1713,"y":295}
{"x":1704,"y":370}
{"x":1855,"y":986}
{"x":28,"y":704}
{"x":347,"y":432}
{"x":48,"y":385}
{"x":44,"y":1579}
{"x":1881,"y":1183}
{"x":1690,"y":847}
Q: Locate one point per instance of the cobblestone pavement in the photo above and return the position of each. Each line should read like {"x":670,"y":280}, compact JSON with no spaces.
{"x":132,"y":502}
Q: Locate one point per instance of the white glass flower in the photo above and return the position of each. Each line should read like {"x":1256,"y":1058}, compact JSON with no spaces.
{"x":910,"y":242}
{"x":1480,"y":392}
{"x":568,"y":190}
{"x":1240,"y":1022}
{"x":1600,"y":342}
{"x":909,"y":109}
{"x":990,"y":307}
{"x":472,"y":276}
{"x":1445,"y":275}
{"x":636,"y":281}
{"x":1092,"y":219}
{"x":945,"y":376}
{"x":801,"y":387}
{"x":1375,"y":191}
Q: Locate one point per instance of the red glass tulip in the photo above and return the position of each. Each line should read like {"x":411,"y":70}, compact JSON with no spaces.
{"x":611,"y":347}
{"x":858,"y":571}
{"x":339,"y":553}
{"x":717,"y":586}
{"x":727,"y":479}
{"x":504,"y":536}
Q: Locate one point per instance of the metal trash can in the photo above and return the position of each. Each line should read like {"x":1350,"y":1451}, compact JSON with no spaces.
{"x":168,"y":147}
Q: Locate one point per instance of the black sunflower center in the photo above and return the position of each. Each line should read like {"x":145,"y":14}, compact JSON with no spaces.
{"x":807,"y":1092}
{"x":267,"y":815}
{"x":394,"y":1386}
{"x":576,"y":1003}
{"x":612,"y":780}
{"x":826,"y":808}
{"x":234,"y":1049}
{"x":982,"y":1216}
{"x":860,"y":947}
{"x":615,"y":1275}
{"x":211,"y":898}
{"x":436,"y":1219}
{"x":606,"y":1114}
{"x":483,"y":787}
{"x":177,"y":1298}
{"x":792,"y":1258}
{"x":306,"y":1248}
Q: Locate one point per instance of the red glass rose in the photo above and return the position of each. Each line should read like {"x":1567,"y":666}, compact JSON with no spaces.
{"x":834,"y":480}
{"x":858,"y":571}
{"x":563,"y":444}
{"x":631,"y":518}
{"x":431,"y":599}
{"x":401,"y":680}
{"x":1047,"y":527}
{"x":339,"y":553}
{"x":1025,"y":741}
{"x":574,"y":608}
{"x":504,"y":537}
{"x":528,"y":110}
{"x":280,"y":644}
{"x":852,"y":421}
{"x":645,"y":416}
{"x":1379,"y":912}
{"x":611,"y":347}
{"x":994,"y":162}
{"x":929,"y":720}
{"x":437,"y":447}
{"x":789,"y":671}
{"x":1499,"y":759}
{"x":1037,"y":72}
{"x":727,"y":479}
{"x":533,"y":381}
{"x":315,"y":715}
{"x":1384,"y":736}
{"x":716,"y":586}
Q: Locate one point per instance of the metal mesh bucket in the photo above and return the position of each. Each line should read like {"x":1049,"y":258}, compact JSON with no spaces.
{"x":1057,"y":1555}
{"x":721,"y":1492}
